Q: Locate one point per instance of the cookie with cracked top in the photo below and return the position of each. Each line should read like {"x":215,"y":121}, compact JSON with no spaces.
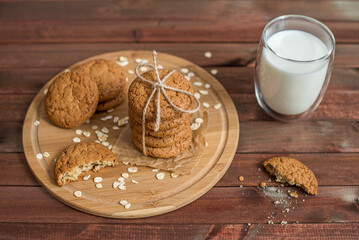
{"x":108,"y":75}
{"x":71,"y":99}
{"x":291,"y":171}
{"x":77,"y":159}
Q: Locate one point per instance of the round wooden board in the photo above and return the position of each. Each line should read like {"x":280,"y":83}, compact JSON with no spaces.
{"x":150,"y":196}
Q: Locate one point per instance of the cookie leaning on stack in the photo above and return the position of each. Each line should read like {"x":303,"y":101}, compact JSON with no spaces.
{"x":174,"y":134}
{"x":110,"y":79}
{"x":73,"y":97}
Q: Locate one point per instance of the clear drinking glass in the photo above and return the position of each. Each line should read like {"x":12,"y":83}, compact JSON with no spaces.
{"x":288,"y":86}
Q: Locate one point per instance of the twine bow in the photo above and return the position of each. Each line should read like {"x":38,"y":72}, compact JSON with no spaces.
{"x":160,"y":86}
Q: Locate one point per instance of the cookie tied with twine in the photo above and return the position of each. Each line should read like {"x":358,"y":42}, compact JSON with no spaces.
{"x":160,"y":95}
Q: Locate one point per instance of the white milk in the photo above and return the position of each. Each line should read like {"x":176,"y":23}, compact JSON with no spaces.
{"x":289,"y":87}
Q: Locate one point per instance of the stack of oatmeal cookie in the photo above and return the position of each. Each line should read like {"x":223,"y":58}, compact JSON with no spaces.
{"x":174,"y":134}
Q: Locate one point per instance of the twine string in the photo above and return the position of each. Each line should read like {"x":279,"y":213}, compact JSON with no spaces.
{"x":159,"y":86}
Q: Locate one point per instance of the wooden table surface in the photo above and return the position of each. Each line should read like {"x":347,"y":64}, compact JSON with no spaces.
{"x":40,"y":38}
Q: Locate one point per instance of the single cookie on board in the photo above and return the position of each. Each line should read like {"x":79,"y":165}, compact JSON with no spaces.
{"x":166,"y":152}
{"x":104,"y":106}
{"x":71,"y":99}
{"x":140,"y":91}
{"x":160,"y":133}
{"x":165,"y":125}
{"x":108,"y":75}
{"x":80,"y":158}
{"x":293,"y":172}
{"x":160,"y":142}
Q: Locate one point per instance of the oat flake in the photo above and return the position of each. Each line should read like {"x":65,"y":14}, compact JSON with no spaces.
{"x":97,"y":179}
{"x":77,"y":193}
{"x":160,"y":176}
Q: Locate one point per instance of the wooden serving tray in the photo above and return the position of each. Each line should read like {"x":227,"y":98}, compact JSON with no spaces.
{"x":150,"y":196}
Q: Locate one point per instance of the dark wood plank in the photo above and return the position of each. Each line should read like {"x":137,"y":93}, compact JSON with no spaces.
{"x":14,"y":170}
{"x":229,"y":11}
{"x":302,"y":137}
{"x":11,"y":137}
{"x":15,"y":107}
{"x":63,"y":55}
{"x":236,"y":80}
{"x":222,"y":204}
{"x":185,"y":21}
{"x":325,"y":231}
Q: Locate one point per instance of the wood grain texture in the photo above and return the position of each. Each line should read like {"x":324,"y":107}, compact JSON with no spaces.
{"x":236,"y":80}
{"x":38,"y":38}
{"x":327,"y":231}
{"x":185,"y":21}
{"x":302,"y":137}
{"x":15,"y":172}
{"x":229,"y":54}
{"x":221,"y":205}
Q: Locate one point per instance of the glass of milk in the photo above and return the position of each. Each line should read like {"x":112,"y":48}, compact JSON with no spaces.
{"x":293,"y":66}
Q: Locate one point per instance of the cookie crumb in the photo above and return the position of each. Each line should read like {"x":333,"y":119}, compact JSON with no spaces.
{"x":263,"y":184}
{"x":94,"y":127}
{"x":241,"y":178}
{"x":293,"y":194}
